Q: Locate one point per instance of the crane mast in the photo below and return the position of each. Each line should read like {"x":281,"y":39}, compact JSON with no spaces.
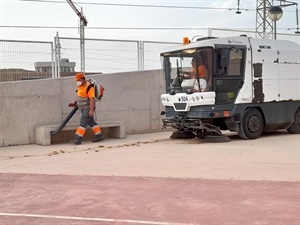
{"x":83,"y":23}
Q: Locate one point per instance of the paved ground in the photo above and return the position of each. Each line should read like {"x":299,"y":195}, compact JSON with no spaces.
{"x":150,"y":179}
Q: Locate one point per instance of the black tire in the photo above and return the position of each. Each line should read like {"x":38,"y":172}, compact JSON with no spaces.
{"x":295,"y":127}
{"x":252,"y":124}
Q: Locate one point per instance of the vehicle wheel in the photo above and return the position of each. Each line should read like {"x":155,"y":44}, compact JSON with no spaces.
{"x":252,"y":124}
{"x":295,"y":127}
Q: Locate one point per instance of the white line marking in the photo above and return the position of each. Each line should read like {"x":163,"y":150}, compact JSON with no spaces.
{"x":93,"y":219}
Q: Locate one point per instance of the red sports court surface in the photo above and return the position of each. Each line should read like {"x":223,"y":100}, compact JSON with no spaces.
{"x":87,"y":200}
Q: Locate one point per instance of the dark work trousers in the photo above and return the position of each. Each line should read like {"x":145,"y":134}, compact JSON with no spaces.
{"x":86,"y":120}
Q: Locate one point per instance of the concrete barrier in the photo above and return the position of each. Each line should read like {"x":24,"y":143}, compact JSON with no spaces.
{"x":43,"y":132}
{"x":132,"y":97}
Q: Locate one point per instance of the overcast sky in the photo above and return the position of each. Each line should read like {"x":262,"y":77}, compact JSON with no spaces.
{"x":128,"y":14}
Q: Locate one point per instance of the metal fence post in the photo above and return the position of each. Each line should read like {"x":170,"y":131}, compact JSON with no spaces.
{"x":57,"y":55}
{"x":141,"y":55}
{"x":52,"y":61}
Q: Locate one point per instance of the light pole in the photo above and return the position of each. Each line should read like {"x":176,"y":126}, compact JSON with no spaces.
{"x":275,"y":13}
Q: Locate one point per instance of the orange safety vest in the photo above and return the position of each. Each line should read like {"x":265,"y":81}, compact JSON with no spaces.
{"x":83,"y":96}
{"x":201,"y":71}
{"x":82,"y":91}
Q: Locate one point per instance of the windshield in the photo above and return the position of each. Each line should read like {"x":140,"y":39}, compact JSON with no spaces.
{"x":188,"y":70}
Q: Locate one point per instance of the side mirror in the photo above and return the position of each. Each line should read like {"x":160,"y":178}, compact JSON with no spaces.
{"x":224,"y":57}
{"x":167,"y":66}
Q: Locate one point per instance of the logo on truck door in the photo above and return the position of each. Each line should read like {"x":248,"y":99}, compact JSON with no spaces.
{"x":264,"y":47}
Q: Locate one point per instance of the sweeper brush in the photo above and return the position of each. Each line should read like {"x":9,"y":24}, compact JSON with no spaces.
{"x":216,"y":139}
{"x":208,"y":139}
{"x":182,"y":135}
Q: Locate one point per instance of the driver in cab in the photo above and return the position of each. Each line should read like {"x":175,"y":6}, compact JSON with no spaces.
{"x":200,"y":70}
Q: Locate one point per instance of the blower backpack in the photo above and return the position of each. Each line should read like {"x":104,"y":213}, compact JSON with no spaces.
{"x":99,"y":89}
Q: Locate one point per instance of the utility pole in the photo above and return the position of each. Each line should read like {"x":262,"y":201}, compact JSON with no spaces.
{"x":264,"y":25}
{"x":83,"y":23}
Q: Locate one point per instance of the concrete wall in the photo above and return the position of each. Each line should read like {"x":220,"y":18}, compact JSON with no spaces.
{"x":133,"y":97}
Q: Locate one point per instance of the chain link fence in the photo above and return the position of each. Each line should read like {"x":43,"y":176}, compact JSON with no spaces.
{"x":19,"y":60}
{"x":26,"y":60}
{"x":113,"y":56}
{"x":231,"y":32}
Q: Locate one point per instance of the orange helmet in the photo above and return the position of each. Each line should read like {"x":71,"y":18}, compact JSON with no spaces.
{"x":78,"y":76}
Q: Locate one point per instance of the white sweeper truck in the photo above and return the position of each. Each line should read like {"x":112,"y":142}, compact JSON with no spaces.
{"x":240,"y":84}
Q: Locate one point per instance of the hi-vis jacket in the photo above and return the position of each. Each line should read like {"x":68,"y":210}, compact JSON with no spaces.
{"x":83,"y":97}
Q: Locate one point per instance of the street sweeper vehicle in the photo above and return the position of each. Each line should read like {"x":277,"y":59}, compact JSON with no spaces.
{"x":240,"y":84}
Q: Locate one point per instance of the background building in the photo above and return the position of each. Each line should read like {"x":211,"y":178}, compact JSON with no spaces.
{"x":65,"y":66}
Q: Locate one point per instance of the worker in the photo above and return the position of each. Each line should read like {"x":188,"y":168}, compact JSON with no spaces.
{"x":86,"y":104}
{"x":200,"y":70}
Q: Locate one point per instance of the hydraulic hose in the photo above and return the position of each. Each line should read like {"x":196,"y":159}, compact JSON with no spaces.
{"x":66,"y":120}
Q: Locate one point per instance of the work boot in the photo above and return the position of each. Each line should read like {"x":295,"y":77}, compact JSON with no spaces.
{"x":99,"y":137}
{"x":76,"y":140}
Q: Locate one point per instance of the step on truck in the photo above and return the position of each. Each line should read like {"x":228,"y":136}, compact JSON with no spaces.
{"x":240,"y":84}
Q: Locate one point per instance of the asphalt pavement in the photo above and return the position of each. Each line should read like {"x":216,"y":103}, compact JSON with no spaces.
{"x":152,"y":179}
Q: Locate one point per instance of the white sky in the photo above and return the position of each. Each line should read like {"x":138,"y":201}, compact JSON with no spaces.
{"x":30,"y":13}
